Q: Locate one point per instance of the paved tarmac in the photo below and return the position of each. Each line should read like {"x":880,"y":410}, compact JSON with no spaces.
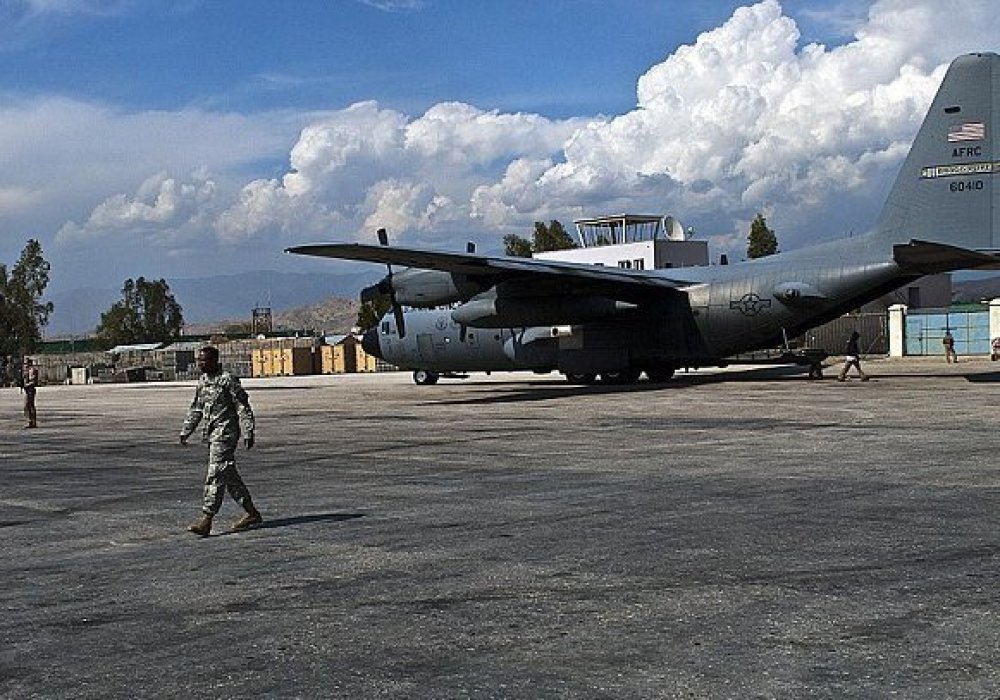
{"x":737,"y":534}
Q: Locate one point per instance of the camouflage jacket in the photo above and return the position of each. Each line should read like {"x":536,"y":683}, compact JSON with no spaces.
{"x":222,"y":406}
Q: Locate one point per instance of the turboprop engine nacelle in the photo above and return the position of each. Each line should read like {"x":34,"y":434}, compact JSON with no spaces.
{"x":423,"y":288}
{"x":516,"y":312}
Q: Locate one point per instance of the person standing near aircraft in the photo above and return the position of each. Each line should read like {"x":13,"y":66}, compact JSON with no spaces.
{"x":852,"y":358}
{"x":949,"y":347}
{"x":29,"y":384}
{"x":222,"y":403}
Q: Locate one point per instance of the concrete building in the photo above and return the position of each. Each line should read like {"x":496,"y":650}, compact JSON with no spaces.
{"x":634,"y":242}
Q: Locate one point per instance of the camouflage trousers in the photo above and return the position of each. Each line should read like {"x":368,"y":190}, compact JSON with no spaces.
{"x":222,"y":477}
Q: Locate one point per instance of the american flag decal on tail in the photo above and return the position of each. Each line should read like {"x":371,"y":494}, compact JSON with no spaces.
{"x":969,"y":131}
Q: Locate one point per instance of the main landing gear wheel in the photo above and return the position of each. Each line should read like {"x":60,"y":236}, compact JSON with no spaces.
{"x":628,"y":376}
{"x":660,"y":374}
{"x":424,"y":377}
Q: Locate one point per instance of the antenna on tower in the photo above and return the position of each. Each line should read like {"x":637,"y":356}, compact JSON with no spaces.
{"x":263,"y":322}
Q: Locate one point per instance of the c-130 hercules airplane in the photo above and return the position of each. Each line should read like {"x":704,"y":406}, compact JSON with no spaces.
{"x":585,"y":320}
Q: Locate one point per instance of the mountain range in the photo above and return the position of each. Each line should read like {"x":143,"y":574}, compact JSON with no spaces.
{"x":973,"y":291}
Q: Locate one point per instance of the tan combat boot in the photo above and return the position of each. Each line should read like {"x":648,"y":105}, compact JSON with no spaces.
{"x":201,"y":527}
{"x":253,"y":517}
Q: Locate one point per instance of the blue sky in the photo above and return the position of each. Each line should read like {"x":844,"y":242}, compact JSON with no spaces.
{"x":559,"y":58}
{"x":184,"y":138}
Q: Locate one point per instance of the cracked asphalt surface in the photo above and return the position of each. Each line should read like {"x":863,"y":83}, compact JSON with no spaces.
{"x":730,"y":534}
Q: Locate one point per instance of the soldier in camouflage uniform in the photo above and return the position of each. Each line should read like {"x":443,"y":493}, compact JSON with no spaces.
{"x":222,"y":406}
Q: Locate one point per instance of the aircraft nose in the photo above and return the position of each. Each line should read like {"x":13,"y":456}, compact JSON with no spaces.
{"x":370,"y":344}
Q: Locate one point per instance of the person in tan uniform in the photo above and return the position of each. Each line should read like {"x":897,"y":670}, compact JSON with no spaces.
{"x":948,"y":341}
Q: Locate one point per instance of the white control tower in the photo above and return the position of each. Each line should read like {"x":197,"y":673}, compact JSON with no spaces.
{"x":633,"y":241}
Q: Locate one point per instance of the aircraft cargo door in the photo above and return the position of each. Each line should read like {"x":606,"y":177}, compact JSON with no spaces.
{"x":425,"y":347}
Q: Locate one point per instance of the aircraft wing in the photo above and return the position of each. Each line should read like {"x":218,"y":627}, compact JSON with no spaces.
{"x":500,"y":268}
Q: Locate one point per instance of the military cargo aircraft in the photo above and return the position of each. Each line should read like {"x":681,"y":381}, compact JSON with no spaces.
{"x":584,"y":320}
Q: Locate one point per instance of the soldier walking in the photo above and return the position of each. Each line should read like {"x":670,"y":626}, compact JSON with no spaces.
{"x":223,"y":407}
{"x":852,"y":358}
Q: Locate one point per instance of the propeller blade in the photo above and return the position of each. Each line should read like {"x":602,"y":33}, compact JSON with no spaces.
{"x":385,"y":287}
{"x":397,"y":312}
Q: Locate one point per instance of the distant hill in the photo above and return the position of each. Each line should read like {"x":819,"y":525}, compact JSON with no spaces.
{"x":974,"y":291}
{"x":332,"y":316}
{"x":209,"y":300}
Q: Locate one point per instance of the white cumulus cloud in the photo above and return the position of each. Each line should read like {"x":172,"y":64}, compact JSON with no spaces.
{"x":365,"y":166}
{"x":162,"y":204}
{"x":744,"y":118}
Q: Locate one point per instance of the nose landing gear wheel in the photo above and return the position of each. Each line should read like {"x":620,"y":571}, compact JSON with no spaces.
{"x":424,"y":377}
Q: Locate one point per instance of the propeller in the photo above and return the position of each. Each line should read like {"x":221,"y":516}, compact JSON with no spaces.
{"x":463,"y":330}
{"x":385,"y":287}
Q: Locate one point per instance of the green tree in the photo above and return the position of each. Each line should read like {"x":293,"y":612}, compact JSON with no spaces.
{"x":551,"y":236}
{"x":22,"y":313}
{"x":761,"y":241}
{"x":515,"y":246}
{"x":371,"y":312}
{"x":146,"y":313}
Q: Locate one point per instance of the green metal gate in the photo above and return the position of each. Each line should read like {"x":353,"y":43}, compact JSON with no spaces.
{"x":969,"y":326}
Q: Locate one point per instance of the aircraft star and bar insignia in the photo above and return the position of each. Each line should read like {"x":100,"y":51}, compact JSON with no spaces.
{"x":750,"y":304}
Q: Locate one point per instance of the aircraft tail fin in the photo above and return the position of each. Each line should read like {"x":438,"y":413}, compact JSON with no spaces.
{"x":948,"y":190}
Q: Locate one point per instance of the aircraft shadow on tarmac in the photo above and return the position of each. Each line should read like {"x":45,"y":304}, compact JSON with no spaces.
{"x":974,"y":377}
{"x":983,"y":377}
{"x":544,"y":391}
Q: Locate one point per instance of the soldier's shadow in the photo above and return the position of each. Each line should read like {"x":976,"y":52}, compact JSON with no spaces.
{"x":308,"y":520}
{"x":311,"y":519}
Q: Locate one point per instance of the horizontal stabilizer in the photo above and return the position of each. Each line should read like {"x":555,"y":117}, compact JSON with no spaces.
{"x":932,"y":258}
